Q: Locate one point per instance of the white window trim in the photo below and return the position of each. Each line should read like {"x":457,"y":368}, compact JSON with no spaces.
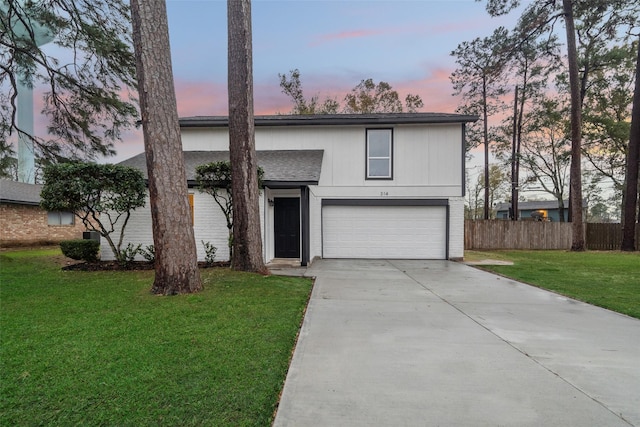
{"x":389,"y":158}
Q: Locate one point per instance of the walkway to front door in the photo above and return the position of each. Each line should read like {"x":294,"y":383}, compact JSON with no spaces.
{"x":287,"y":227}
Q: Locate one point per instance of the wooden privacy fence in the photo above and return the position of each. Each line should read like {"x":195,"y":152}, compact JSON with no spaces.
{"x":607,"y":237}
{"x":500,"y":234}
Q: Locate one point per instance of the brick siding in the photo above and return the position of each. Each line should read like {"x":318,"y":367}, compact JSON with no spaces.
{"x":25,"y":225}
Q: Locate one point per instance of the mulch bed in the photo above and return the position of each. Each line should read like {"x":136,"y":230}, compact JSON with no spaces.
{"x":132,"y":266}
{"x":69,"y":264}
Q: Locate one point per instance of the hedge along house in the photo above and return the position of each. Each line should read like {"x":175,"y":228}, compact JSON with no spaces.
{"x":337,"y":186}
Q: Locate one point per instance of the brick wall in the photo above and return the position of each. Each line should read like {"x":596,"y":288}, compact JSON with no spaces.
{"x":22,"y":225}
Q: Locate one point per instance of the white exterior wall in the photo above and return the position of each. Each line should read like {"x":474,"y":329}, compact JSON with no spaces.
{"x":427,"y":158}
{"x":205,"y":139}
{"x":209,"y":225}
{"x":427,"y":164}
{"x":456,"y":227}
{"x":137,"y":231}
{"x":315,"y":224}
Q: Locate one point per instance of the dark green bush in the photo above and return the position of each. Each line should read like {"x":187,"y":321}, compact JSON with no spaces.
{"x":80,"y":249}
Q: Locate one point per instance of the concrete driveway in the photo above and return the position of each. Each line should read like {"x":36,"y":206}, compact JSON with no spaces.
{"x":439,"y":343}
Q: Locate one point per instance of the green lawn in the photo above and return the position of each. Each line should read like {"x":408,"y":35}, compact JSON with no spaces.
{"x":605,"y":279}
{"x":96,"y":348}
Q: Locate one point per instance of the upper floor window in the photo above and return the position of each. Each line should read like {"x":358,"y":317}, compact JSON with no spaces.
{"x":60,"y":218}
{"x":379,"y":154}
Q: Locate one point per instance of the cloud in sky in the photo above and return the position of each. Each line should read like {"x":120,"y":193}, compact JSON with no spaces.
{"x":411,"y":30}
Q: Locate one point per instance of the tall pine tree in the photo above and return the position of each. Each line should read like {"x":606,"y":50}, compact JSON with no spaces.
{"x":176,"y":260}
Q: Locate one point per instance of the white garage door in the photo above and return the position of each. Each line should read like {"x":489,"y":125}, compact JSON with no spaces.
{"x":395,"y":232}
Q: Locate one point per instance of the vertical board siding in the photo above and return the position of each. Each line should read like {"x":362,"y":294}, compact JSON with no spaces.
{"x":498,"y":234}
{"x":607,"y":236}
{"x":456,"y":227}
{"x":604,"y":237}
{"x":517,"y":235}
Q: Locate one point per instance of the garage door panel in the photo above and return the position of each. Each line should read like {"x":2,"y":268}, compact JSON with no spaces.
{"x":384,"y":232}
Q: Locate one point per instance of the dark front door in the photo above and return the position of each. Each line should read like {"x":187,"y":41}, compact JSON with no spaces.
{"x":286,"y":227}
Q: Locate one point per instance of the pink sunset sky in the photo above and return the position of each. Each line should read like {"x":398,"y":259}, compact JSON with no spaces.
{"x":334,"y":44}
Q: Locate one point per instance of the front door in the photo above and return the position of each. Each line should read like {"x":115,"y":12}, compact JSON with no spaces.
{"x":286,"y":227}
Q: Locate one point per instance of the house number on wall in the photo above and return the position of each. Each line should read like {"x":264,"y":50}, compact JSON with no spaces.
{"x":384,"y":193}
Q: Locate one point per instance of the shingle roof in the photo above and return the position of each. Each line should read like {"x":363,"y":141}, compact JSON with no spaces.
{"x":280,"y":166}
{"x":333,"y":119}
{"x":19,"y":192}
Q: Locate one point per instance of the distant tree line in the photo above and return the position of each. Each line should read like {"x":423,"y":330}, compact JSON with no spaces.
{"x":365,"y":98}
{"x":550,"y":109}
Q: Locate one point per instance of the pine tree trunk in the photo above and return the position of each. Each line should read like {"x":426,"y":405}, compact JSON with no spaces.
{"x":247,"y":237}
{"x":578,"y":243}
{"x":485,"y":118}
{"x":633,"y":163}
{"x":176,"y":261}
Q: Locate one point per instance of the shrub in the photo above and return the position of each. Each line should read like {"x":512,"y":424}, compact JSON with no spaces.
{"x":81,"y":249}
{"x":100,"y":195}
{"x":149,"y":253}
{"x":128,"y":254}
{"x":210,"y":253}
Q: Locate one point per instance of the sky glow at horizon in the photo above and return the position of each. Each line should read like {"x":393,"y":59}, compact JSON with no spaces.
{"x":334,"y":44}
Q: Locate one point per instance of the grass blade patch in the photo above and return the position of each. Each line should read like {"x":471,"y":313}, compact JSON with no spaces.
{"x":96,"y":348}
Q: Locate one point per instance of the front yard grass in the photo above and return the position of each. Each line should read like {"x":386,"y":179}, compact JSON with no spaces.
{"x":96,"y":348}
{"x":606,"y":279}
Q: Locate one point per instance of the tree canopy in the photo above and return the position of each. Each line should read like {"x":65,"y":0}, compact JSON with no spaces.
{"x":592,"y":72}
{"x":365,"y":98}
{"x":86,"y":85}
{"x":102,"y":196}
{"x":292,"y":86}
{"x":478,"y":79}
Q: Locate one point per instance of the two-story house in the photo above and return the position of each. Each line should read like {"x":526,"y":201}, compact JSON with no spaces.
{"x":337,"y":186}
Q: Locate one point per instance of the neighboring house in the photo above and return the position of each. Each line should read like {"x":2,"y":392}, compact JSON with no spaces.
{"x":337,"y":186}
{"x":543,"y":210}
{"x":24,"y":222}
